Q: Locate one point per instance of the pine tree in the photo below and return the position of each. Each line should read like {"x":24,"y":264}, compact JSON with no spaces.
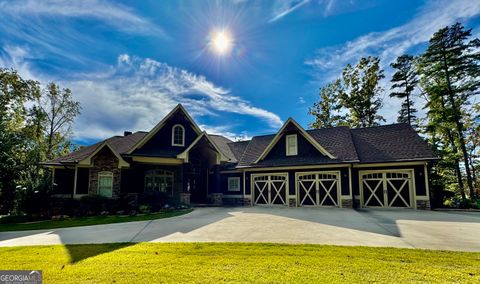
{"x":404,"y":82}
{"x":455,"y":62}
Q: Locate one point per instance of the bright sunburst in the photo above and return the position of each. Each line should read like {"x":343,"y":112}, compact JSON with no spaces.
{"x":221,"y":42}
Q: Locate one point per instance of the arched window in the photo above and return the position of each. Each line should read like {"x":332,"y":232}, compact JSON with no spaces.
{"x":178,"y":135}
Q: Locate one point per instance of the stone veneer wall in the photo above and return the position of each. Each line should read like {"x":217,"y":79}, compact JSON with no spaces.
{"x":423,"y":204}
{"x":105,"y":160}
{"x":347,"y":203}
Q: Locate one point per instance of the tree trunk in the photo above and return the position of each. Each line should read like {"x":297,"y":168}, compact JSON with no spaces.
{"x":457,"y":165}
{"x":459,"y":125}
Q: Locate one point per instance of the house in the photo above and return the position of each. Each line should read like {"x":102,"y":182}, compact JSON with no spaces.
{"x":382,"y":166}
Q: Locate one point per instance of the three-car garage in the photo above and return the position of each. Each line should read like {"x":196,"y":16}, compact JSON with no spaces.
{"x":371,"y":188}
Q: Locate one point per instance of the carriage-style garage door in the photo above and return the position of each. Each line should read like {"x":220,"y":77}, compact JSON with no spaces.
{"x":318,"y":188}
{"x":270,"y":188}
{"x":386,"y":188}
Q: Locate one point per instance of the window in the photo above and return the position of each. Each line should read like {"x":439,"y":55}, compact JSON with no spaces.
{"x":178,"y":135}
{"x":233,"y":184}
{"x":159,"y":180}
{"x":105,"y":184}
{"x":291,"y":145}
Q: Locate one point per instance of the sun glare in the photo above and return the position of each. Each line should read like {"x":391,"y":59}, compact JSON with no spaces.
{"x":221,"y":42}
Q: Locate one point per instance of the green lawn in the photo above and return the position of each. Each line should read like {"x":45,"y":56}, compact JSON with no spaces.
{"x":86,"y":221}
{"x":238,"y":262}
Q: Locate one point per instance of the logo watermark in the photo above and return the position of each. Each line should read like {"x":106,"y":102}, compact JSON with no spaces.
{"x":20,"y":276}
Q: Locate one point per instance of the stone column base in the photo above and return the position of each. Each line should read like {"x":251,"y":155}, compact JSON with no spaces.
{"x":216,"y":198}
{"x":347,"y":203}
{"x":185,"y":198}
{"x":423,"y":204}
{"x":292,"y":202}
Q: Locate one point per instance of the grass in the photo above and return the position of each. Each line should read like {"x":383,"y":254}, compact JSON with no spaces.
{"x":240,"y":262}
{"x":87,"y":221}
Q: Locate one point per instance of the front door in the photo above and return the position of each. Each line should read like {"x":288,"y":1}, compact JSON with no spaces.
{"x":196,"y":182}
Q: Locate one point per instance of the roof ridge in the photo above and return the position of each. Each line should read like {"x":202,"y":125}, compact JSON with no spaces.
{"x":378,"y":126}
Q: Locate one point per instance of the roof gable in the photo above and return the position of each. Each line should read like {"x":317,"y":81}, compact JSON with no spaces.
{"x":185,"y":154}
{"x":178,"y":110}
{"x":87,"y":161}
{"x":291,"y":125}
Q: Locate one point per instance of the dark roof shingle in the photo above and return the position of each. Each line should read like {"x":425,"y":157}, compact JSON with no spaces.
{"x":120,"y":144}
{"x":389,"y":143}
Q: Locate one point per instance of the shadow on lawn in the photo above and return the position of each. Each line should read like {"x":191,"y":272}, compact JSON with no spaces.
{"x":81,"y":252}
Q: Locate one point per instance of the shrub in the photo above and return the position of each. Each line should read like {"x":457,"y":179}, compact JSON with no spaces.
{"x":155,"y":199}
{"x":92,"y":204}
{"x":145,"y":208}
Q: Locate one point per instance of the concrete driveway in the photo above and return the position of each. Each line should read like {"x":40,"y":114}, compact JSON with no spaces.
{"x":392,"y":228}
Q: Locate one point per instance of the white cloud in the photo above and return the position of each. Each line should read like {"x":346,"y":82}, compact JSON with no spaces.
{"x":137,"y":93}
{"x":111,"y":13}
{"x":390,"y":44}
{"x":285,"y":7}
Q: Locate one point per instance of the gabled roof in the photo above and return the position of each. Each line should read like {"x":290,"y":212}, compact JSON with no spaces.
{"x":119,"y":144}
{"x":184,"y":154}
{"x":159,"y":126}
{"x":381,"y":144}
{"x":87,"y":161}
{"x":302,"y":131}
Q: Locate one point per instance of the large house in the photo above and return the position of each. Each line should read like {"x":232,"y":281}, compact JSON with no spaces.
{"x":383,"y":166}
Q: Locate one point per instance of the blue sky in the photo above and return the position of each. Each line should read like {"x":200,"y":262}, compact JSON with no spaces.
{"x":130,"y":62}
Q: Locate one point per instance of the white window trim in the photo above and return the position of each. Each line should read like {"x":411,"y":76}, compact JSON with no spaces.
{"x":104,"y":174}
{"x":173,"y":135}
{"x":228,"y":184}
{"x":286,"y":145}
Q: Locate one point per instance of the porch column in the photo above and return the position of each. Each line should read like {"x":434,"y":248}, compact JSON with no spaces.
{"x":216,"y":196}
{"x":185,"y":194}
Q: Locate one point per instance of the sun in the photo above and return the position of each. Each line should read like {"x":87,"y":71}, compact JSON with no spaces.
{"x":221,"y":42}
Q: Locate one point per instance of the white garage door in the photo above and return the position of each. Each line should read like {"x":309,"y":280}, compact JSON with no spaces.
{"x":386,"y":189}
{"x":270,"y":188}
{"x":318,"y":188}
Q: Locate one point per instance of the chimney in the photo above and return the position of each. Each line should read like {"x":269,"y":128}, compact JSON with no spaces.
{"x":126,"y":133}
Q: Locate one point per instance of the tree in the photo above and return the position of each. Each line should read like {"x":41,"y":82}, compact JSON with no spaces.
{"x":472,"y":125}
{"x":454,"y":61}
{"x":325,"y":110}
{"x":15,"y":92}
{"x":59,"y":110}
{"x":361,"y":90}
{"x":404,"y":82}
